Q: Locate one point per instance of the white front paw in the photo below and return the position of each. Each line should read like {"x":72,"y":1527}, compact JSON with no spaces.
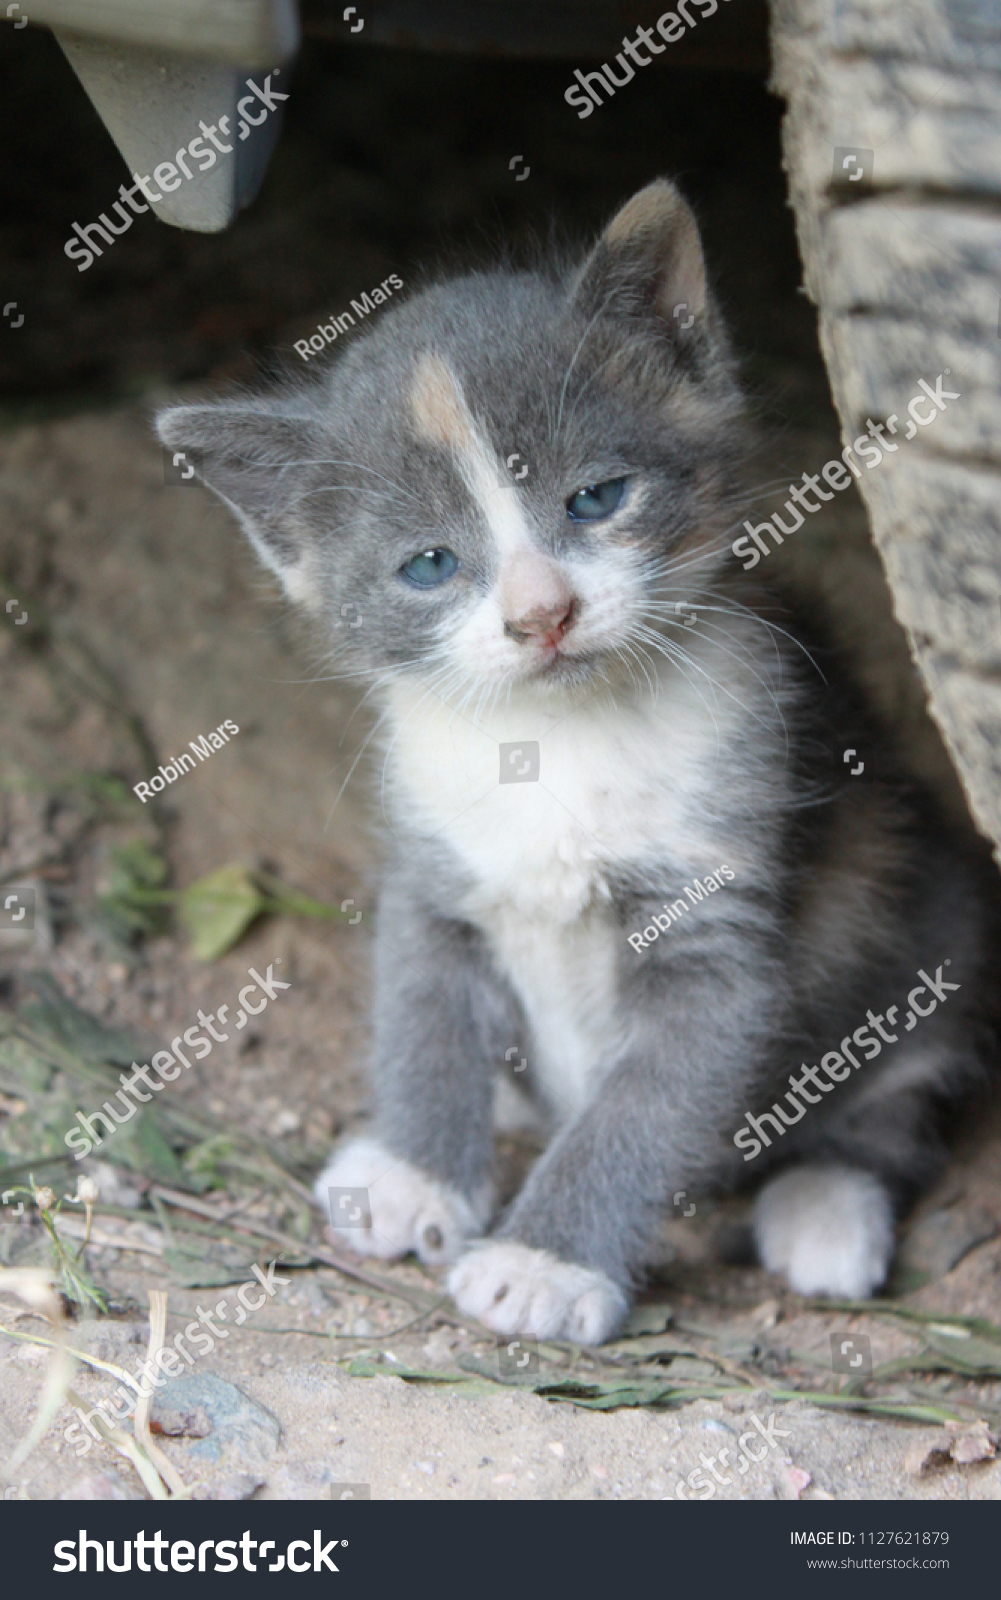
{"x":379,"y":1205}
{"x":514,"y":1289}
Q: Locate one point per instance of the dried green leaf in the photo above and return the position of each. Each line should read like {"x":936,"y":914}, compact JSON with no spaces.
{"x":207,"y":1266}
{"x":130,"y":903}
{"x":142,"y":1146}
{"x":22,"y":1069}
{"x":649,"y":1347}
{"x":136,"y":866}
{"x":52,"y":1014}
{"x":966,"y":1355}
{"x":646,"y":1319}
{"x":204,"y":1162}
{"x":217,"y":910}
{"x":365,"y":1367}
{"x":690,"y":1368}
{"x":928,"y":1319}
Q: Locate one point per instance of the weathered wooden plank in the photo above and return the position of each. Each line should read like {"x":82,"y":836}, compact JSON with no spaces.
{"x":941,"y":530}
{"x":940,"y":536}
{"x":954,"y":33}
{"x":927,"y":127}
{"x":152,"y":102}
{"x":878,"y":364}
{"x":938,"y":261}
{"x":907,"y":278}
{"x":967,"y":709}
{"x":949,"y":33}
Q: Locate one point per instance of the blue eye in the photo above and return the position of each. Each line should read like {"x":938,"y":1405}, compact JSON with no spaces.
{"x":429,"y":569}
{"x":597,"y":501}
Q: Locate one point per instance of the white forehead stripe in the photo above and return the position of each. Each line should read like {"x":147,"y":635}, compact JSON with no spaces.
{"x":441,"y":415}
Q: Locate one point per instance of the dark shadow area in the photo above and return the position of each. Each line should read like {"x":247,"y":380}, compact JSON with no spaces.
{"x":390,"y":160}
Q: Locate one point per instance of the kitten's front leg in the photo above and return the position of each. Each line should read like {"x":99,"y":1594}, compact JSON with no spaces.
{"x":421,"y":1180}
{"x":564,"y":1261}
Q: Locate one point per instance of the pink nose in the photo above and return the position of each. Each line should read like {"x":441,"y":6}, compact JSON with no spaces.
{"x":548,"y":623}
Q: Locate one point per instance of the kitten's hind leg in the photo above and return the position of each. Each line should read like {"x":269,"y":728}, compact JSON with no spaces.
{"x":826,"y":1229}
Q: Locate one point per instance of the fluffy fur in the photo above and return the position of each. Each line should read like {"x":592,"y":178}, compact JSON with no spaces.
{"x":663,"y":750}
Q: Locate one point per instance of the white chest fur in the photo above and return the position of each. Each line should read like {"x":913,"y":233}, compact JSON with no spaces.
{"x":616,"y":783}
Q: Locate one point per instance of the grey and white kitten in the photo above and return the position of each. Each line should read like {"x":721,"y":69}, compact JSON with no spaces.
{"x":565,"y":752}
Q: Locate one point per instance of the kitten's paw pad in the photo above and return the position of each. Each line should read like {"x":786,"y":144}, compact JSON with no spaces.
{"x":383,"y":1206}
{"x":827,"y":1230}
{"x":514,"y":1289}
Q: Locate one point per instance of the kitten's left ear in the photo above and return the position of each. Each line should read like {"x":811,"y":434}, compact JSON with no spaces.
{"x":648,"y":260}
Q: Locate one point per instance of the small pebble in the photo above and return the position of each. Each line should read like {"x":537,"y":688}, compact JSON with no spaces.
{"x":284,"y":1121}
{"x":766,"y":1315}
{"x":794,"y":1480}
{"x":32,"y":1354}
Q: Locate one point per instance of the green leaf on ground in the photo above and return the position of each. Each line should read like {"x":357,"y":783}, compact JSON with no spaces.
{"x":142,"y":1146}
{"x":53,"y":1014}
{"x":966,"y":1355}
{"x":135,"y":879}
{"x":21,"y":1068}
{"x":646,"y":1319}
{"x":205,"y":1265}
{"x":217,"y":910}
{"x":205,"y":1162}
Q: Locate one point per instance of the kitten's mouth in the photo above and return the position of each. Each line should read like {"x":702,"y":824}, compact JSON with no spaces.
{"x":562,"y":666}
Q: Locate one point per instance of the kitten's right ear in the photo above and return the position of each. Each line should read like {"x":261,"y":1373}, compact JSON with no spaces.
{"x":648,"y":262}
{"x":255,"y":456}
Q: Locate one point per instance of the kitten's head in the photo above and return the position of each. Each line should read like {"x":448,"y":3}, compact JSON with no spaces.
{"x":509,"y":478}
